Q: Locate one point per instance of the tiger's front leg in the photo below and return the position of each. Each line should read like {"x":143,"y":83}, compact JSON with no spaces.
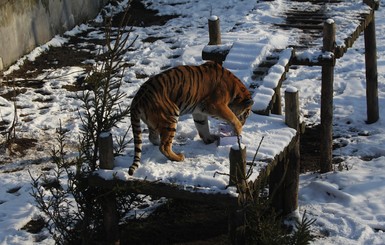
{"x":167,"y":134}
{"x":202,"y":125}
{"x":224,"y":112}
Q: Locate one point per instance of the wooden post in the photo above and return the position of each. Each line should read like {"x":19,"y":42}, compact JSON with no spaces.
{"x":237,"y":158}
{"x":371,"y":72}
{"x":276,"y":189}
{"x":214,"y":31}
{"x":292,"y":108}
{"x":237,"y":165}
{"x":329,"y":32}
{"x":236,"y":231}
{"x":277,"y":108}
{"x":106,"y":155}
{"x":291,"y":181}
{"x":110,"y":212}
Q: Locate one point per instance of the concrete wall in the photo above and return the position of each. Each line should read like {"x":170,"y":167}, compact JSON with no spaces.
{"x":25,"y":24}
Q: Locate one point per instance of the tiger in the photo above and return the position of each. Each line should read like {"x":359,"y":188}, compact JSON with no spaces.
{"x":204,"y":90}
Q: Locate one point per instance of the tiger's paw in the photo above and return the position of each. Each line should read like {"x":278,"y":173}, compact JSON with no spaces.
{"x":211,"y":139}
{"x":180,"y":157}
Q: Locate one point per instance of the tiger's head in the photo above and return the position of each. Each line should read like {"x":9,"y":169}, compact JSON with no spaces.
{"x":241,"y":104}
{"x":241,"y":109}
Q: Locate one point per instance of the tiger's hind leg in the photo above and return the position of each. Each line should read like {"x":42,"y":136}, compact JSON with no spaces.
{"x":154,"y":136}
{"x":167,"y":134}
{"x":202,"y":125}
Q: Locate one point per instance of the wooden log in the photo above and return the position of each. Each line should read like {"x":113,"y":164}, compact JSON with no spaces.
{"x":217,"y":53}
{"x":291,"y":181}
{"x":371,"y":72}
{"x":329,"y":33}
{"x":106,"y":155}
{"x":214,"y":31}
{"x":164,"y":190}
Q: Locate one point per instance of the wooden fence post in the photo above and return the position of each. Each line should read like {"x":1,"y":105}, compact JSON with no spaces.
{"x":277,"y":108}
{"x":371,"y":72}
{"x":106,"y":155}
{"x":237,"y":158}
{"x":284,"y":178}
{"x":110,"y":212}
{"x":291,"y":181}
{"x":237,"y":165}
{"x":214,"y":31}
{"x":329,"y":33}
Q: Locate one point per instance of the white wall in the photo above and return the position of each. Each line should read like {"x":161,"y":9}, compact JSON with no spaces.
{"x":25,"y":24}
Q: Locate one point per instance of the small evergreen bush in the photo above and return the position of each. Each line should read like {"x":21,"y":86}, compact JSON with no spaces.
{"x":70,"y":206}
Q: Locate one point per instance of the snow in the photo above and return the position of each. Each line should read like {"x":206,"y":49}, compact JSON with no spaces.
{"x":213,"y":18}
{"x":346,"y":203}
{"x":291,"y":89}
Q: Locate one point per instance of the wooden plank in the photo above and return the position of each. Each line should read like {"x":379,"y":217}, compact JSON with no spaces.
{"x":317,"y":61}
{"x":217,"y":53}
{"x":349,"y":41}
{"x":161,"y":189}
{"x":301,"y":26}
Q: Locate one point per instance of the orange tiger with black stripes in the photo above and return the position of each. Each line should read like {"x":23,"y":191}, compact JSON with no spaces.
{"x":205,"y":90}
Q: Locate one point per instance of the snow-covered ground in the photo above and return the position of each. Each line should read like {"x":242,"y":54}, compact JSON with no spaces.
{"x":347,"y":204}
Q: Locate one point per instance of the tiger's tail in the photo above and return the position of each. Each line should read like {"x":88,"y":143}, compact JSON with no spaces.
{"x":137,"y":132}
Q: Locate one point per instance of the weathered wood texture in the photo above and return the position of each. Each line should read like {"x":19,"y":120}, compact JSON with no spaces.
{"x":291,"y":181}
{"x":276,"y":107}
{"x":284,"y":176}
{"x":106,"y":155}
{"x":237,"y":159}
{"x":165,"y":190}
{"x":214,"y":31}
{"x":329,"y":33}
{"x":371,"y":72}
{"x":108,"y":201}
{"x":110,"y":218}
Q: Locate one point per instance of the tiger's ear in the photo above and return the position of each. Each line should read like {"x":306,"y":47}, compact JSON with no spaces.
{"x":247,"y":102}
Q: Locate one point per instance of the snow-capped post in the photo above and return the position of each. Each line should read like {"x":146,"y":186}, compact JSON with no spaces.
{"x":292,"y":107}
{"x":371,"y":69}
{"x":108,"y":202}
{"x":214,"y":31}
{"x":329,"y":37}
{"x":291,"y":181}
{"x":106,"y":155}
{"x":237,"y":158}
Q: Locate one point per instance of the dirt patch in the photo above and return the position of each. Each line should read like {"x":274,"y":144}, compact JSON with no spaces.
{"x":19,"y":146}
{"x":140,"y":15}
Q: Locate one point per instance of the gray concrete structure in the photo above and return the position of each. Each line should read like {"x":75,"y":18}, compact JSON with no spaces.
{"x":26,"y":24}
